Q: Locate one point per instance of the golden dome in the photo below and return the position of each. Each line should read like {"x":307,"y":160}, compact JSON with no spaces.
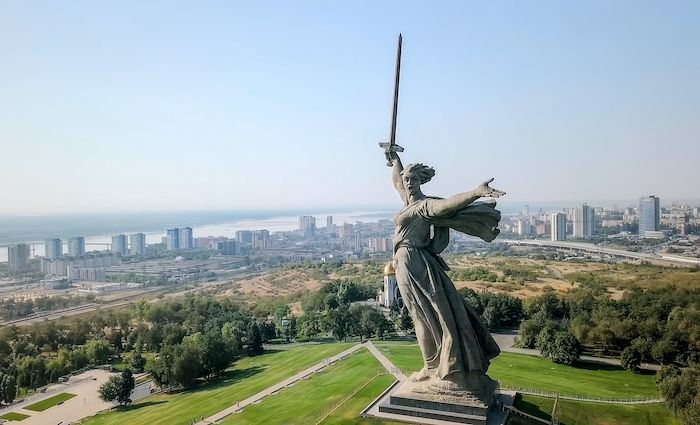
{"x":389,"y":269}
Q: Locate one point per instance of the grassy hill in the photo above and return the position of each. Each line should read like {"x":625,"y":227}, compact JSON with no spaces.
{"x":523,"y":371}
{"x":519,"y":370}
{"x":247,"y":377}
{"x":340,"y":392}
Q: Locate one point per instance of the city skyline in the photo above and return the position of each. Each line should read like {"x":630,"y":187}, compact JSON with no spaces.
{"x":512,"y":88}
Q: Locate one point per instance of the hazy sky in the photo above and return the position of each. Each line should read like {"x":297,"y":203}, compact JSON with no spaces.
{"x":158,"y":105}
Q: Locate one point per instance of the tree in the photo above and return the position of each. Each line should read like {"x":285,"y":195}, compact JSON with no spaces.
{"x":309,"y":325}
{"x":216,"y":355}
{"x":187,"y":366}
{"x":138,"y":362}
{"x":567,"y":349}
{"x":545,"y":341}
{"x":126,"y":386}
{"x":405,"y":322}
{"x":161,"y":367}
{"x":116,"y":339}
{"x":8,"y":388}
{"x":109,"y":391}
{"x":98,"y":351}
{"x":631,"y":358}
{"x":255,"y":346}
{"x":680,"y":388}
{"x":338,"y":322}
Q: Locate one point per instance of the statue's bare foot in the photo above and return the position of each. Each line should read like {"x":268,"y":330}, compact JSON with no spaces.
{"x":423,"y":375}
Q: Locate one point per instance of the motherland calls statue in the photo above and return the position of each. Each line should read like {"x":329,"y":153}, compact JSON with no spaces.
{"x":455,"y":343}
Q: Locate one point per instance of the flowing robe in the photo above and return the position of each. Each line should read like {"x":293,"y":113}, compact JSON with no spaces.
{"x":451,"y":335}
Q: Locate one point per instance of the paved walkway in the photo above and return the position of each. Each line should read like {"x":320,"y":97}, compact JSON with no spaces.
{"x":273,"y":389}
{"x":388,"y":365}
{"x":85,"y":403}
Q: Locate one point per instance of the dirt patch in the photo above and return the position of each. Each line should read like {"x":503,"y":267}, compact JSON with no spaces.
{"x":277,"y":283}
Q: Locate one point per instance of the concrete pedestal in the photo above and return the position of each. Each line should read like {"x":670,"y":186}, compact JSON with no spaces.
{"x":409,"y":402}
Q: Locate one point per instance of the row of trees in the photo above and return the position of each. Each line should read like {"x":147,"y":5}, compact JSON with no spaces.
{"x":331,"y":310}
{"x":199,"y":336}
{"x":12,"y":308}
{"x":660,"y":324}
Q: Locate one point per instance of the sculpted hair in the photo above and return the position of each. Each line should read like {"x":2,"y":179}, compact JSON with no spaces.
{"x":423,"y":172}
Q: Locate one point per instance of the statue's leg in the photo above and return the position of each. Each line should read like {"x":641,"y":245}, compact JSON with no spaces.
{"x":413,"y":292}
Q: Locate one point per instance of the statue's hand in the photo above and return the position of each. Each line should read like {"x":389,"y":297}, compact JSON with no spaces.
{"x":391,"y":156}
{"x":485,"y":191}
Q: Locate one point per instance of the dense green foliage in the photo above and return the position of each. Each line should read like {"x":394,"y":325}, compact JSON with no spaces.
{"x":681,"y":390}
{"x":11,"y":309}
{"x":660,"y":324}
{"x":331,"y":310}
{"x":497,"y":310}
{"x":191,"y":337}
{"x":8,"y":387}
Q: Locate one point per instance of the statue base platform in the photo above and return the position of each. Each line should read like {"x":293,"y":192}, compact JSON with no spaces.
{"x":409,"y":401}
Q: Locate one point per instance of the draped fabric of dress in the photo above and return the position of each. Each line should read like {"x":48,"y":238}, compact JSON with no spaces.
{"x":451,"y":335}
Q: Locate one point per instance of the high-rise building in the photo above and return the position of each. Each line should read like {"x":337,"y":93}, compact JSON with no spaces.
{"x":18,"y":258}
{"x":381,"y":244}
{"x":228,"y":247}
{"x":76,"y":246}
{"x":137,"y":244}
{"x":261,"y":239}
{"x":358,"y":241}
{"x":346,"y":230}
{"x":244,"y":237}
{"x":185,"y":238}
{"x":329,"y":221}
{"x":649,"y":215}
{"x":172,"y":242}
{"x":523,"y":227}
{"x":584,"y":221}
{"x":558,"y":227}
{"x":119,"y":245}
{"x":53,"y":248}
{"x":307,"y":223}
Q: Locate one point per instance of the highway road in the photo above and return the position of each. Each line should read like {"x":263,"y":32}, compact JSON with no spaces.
{"x":599,"y":249}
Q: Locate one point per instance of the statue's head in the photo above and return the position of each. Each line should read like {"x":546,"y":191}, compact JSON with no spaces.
{"x":414,"y":175}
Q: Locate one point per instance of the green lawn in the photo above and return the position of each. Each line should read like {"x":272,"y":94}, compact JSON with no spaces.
{"x":247,"y":377}
{"x":578,"y":413}
{"x":42,"y":405}
{"x":310,"y":400}
{"x":14,"y":416}
{"x":532,"y":372}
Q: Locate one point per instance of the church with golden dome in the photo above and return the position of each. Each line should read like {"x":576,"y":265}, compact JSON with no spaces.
{"x":390,"y":290}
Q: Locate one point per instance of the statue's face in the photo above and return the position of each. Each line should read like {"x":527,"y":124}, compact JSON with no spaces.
{"x":411,"y":183}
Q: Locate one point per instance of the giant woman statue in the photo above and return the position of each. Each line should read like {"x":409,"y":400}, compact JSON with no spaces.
{"x":455,"y":343}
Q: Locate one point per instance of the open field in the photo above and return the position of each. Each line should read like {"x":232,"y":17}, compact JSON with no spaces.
{"x":275,"y":283}
{"x":49,"y":402}
{"x":14,"y":416}
{"x":247,"y":377}
{"x":561,"y":276}
{"x":537,"y":373}
{"x":310,"y":400}
{"x":578,"y":413}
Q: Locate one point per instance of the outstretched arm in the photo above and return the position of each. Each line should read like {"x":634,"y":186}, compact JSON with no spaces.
{"x":461,"y":200}
{"x":396,"y":169}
